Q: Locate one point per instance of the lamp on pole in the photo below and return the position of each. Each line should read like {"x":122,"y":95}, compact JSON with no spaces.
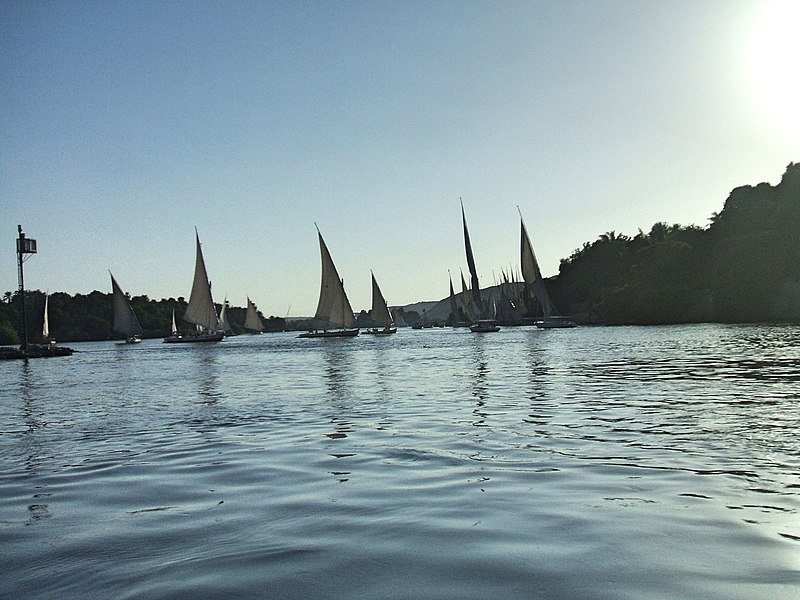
{"x":24,"y":246}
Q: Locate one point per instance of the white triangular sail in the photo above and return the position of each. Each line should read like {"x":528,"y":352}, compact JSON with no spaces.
{"x":333,"y":306}
{"x":46,"y":321}
{"x":252,"y":321}
{"x":125,"y":321}
{"x":223,"y":318}
{"x":200,"y":310}
{"x":531,"y":273}
{"x":380,"y":311}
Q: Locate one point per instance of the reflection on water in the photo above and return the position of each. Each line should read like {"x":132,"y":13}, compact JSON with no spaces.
{"x":337,"y":373}
{"x":519,"y":463}
{"x":338,"y":376}
{"x":479,"y":384}
{"x":206,"y":374}
{"x":29,"y":408}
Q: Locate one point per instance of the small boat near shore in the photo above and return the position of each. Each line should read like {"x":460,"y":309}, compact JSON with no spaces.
{"x":484,"y":326}
{"x":555,"y":322}
{"x":535,"y":282}
{"x":46,"y":322}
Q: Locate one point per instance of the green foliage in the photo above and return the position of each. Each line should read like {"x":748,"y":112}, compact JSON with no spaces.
{"x":8,"y":333}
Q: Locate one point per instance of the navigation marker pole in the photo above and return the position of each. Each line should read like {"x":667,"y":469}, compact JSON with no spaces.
{"x":24,"y":246}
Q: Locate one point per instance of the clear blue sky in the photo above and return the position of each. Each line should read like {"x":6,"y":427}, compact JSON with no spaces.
{"x":125,"y":124}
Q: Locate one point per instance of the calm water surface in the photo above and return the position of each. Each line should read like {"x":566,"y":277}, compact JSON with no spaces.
{"x":588,"y":463}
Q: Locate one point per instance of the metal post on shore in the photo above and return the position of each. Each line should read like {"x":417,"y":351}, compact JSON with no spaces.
{"x":24,"y":246}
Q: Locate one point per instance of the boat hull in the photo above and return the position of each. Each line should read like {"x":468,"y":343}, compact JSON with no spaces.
{"x":385,"y":331}
{"x":330,"y":334}
{"x":555,"y":324}
{"x":185,"y":339}
{"x":484,"y":326}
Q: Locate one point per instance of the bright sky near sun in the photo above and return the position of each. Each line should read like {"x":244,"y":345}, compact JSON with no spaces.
{"x":126,"y":124}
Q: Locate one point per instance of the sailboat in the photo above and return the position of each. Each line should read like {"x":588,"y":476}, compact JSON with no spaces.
{"x":46,"y":322}
{"x":252,"y":322}
{"x":457,"y":303}
{"x":482,"y":324}
{"x":125,"y":321}
{"x":223,"y":319}
{"x":200,"y":311}
{"x":333,"y":307}
{"x":380,"y":311}
{"x":534,"y":280}
{"x":174,"y":329}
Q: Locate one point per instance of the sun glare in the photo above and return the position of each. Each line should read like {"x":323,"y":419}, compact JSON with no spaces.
{"x":775,"y":64}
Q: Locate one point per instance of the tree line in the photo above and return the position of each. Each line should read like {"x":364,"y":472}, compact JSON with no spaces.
{"x":88,"y":317}
{"x":743,"y":267}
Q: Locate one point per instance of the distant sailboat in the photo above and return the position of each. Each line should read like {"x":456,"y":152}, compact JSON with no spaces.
{"x":482,"y":323}
{"x":200,"y":311}
{"x":46,"y":321}
{"x":333,"y":307}
{"x":465,"y":301}
{"x":457,"y":303}
{"x":252,"y":321}
{"x":397,"y":317}
{"x":125,"y":321}
{"x":534,"y":280}
{"x":453,"y":317}
{"x":223,"y":319}
{"x":384,"y":323}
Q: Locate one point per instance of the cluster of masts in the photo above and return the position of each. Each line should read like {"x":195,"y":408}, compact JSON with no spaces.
{"x":334,"y":313}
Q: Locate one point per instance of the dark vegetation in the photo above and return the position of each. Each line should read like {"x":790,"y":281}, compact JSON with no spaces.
{"x":88,"y":317}
{"x":743,"y":267}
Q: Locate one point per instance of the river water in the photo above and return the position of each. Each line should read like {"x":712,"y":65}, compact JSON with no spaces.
{"x":596,"y":463}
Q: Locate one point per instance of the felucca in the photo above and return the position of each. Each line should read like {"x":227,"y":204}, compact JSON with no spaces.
{"x":125,"y":321}
{"x":252,"y":322}
{"x":200,"y":311}
{"x":481,"y":324}
{"x":380,"y":312}
{"x":223,"y":319}
{"x":333,"y":307}
{"x":535,"y":282}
